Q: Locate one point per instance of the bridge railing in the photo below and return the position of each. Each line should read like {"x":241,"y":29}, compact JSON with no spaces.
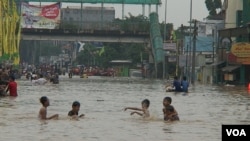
{"x":136,"y":27}
{"x":116,"y":27}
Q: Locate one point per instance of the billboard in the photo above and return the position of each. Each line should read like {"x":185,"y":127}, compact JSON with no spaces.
{"x":45,"y":17}
{"x":170,"y":46}
{"x":241,"y":49}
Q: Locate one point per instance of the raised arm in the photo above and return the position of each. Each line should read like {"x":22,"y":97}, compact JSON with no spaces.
{"x":133,"y":108}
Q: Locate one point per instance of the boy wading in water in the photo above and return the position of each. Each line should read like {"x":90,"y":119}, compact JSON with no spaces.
{"x":170,"y":114}
{"x":43,"y":111}
{"x":75,"y":109}
{"x":144,"y":110}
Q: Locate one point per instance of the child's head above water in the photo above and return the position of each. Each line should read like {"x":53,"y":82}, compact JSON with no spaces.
{"x":145,"y":103}
{"x":76,"y":103}
{"x":167,"y":101}
{"x":76,"y":106}
{"x":44,"y":101}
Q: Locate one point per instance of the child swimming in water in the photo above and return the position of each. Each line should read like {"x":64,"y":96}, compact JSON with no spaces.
{"x":145,"y":112}
{"x":43,"y":111}
{"x":170,"y":114}
{"x":75,"y":109}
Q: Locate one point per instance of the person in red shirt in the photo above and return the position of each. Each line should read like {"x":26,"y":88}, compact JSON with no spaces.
{"x":12,"y":86}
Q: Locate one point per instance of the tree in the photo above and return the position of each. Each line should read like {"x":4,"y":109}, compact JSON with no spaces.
{"x":118,"y":51}
{"x":212,"y":6}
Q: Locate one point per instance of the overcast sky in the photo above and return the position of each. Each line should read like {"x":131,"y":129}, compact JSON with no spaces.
{"x":178,"y":11}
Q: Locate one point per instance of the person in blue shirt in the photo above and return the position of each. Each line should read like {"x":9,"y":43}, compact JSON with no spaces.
{"x":184,"y":84}
{"x":177,"y":85}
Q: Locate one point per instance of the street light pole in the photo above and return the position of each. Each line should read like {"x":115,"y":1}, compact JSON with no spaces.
{"x":165,"y":26}
{"x":164,"y":40}
{"x":190,"y":38}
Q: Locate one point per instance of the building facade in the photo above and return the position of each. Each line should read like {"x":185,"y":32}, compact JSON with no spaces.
{"x":237,"y":52}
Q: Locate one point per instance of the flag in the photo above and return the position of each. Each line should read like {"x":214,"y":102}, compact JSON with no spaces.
{"x":101,"y":51}
{"x":81,"y":46}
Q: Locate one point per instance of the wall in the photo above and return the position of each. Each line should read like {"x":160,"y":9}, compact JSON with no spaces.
{"x":231,"y":12}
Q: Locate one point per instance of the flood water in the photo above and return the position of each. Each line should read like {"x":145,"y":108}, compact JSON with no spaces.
{"x":201,"y":112}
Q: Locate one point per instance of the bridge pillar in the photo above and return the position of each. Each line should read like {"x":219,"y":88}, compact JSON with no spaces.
{"x":149,"y":9}
{"x":81,"y":24}
{"x":102,"y":17}
{"x":157,"y":8}
{"x":143,"y":9}
{"x":123,"y":11}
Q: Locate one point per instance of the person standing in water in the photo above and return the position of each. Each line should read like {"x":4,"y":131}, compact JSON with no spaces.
{"x":43,"y":111}
{"x":12,"y":86}
{"x":177,"y":85}
{"x":145,"y":112}
{"x":75,"y":109}
{"x":169,"y":112}
{"x":184,"y":84}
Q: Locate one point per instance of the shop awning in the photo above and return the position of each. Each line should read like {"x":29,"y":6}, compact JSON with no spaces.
{"x":217,"y":63}
{"x":230,"y":68}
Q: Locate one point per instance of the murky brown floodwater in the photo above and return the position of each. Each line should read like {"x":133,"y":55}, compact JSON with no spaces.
{"x":202,"y":112}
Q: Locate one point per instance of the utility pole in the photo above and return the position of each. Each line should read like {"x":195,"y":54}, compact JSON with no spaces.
{"x":190,"y":40}
{"x":194,"y":52}
{"x":164,"y":41}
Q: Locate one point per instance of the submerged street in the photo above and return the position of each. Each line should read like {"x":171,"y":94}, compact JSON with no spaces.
{"x":202,"y":112}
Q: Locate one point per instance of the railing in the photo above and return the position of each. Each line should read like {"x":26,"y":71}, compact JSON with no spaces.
{"x":125,"y":26}
{"x":142,"y":28}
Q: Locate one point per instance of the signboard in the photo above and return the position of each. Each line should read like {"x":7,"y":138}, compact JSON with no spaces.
{"x":169,"y":46}
{"x":245,"y":60}
{"x":46,"y":17}
{"x":171,"y":58}
{"x":241,"y":49}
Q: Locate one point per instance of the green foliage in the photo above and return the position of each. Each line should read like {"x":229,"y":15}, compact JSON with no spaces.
{"x":113,"y":51}
{"x":212,"y":5}
{"x":133,"y":23}
{"x":209,"y":4}
{"x":169,"y":28}
{"x":217,"y":4}
{"x":117,"y":51}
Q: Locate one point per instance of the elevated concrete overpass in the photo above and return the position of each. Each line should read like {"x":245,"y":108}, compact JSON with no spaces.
{"x":87,"y":35}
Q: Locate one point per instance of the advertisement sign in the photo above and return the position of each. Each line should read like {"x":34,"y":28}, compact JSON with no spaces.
{"x":241,"y":49}
{"x":45,"y":17}
{"x":245,"y":60}
{"x":171,"y":58}
{"x":169,"y":46}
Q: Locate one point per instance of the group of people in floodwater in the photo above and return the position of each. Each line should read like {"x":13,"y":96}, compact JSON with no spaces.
{"x":92,"y":71}
{"x":178,"y":85}
{"x":8,"y":87}
{"x":169,"y":112}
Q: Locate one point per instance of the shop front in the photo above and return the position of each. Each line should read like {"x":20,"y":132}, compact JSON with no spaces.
{"x":238,"y":68}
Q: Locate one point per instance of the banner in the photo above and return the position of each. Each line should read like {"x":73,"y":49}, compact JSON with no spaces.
{"x":45,"y":17}
{"x":241,"y":49}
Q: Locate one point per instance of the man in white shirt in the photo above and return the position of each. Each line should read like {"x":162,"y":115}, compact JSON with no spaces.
{"x":40,"y":81}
